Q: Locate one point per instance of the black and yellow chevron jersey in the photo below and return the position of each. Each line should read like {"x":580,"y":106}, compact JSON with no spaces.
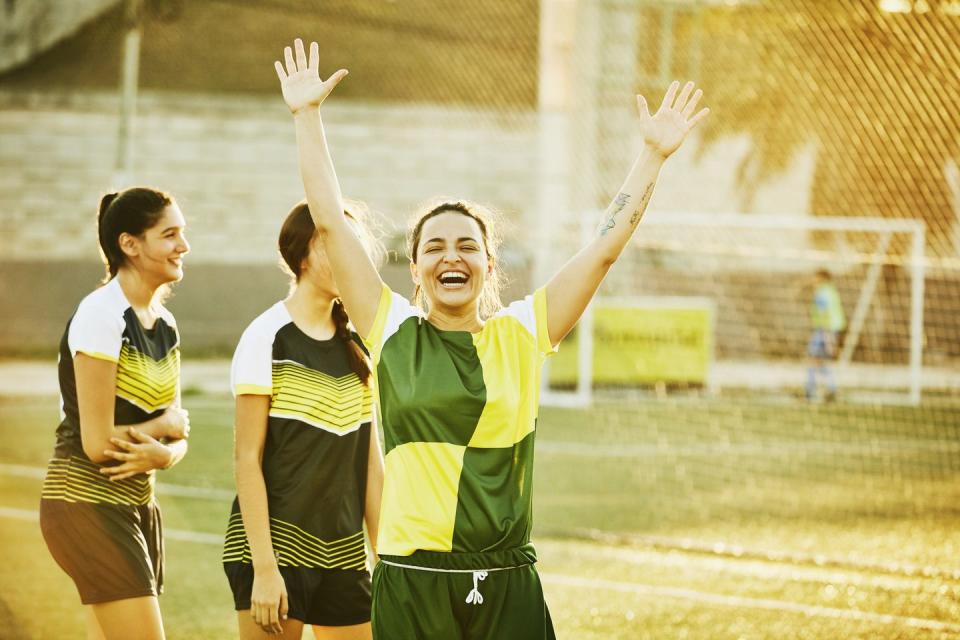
{"x":105,"y":326}
{"x":317,"y":445}
{"x":458,"y":412}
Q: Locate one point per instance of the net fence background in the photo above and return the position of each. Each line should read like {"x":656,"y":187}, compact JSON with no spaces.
{"x":819,"y":109}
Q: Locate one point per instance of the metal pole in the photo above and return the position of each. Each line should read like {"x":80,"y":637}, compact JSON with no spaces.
{"x":867,"y":292}
{"x":916,"y":315}
{"x":123,"y":165}
{"x":558,"y":21}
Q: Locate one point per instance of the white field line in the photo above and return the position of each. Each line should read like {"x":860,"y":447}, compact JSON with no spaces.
{"x":635,"y":588}
{"x":163,"y":488}
{"x":866,"y":448}
{"x":173,"y":534}
{"x":682,"y":544}
{"x":751,"y":603}
{"x":722,"y":549}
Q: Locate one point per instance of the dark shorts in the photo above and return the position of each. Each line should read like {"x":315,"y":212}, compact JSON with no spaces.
{"x":112,"y":552}
{"x":325,"y":597}
{"x":418,"y":604}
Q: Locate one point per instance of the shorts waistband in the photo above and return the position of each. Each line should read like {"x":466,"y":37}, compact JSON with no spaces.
{"x":462,"y":562}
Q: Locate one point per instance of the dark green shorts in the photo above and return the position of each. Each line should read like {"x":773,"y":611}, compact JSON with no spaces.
{"x":424,"y":604}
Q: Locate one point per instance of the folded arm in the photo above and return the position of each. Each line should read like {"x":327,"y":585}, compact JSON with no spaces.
{"x":96,"y":396}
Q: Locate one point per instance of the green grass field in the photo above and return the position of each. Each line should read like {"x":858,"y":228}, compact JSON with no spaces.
{"x":664,"y":519}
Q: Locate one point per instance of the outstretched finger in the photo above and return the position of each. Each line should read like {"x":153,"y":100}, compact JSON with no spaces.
{"x":301,"y":56}
{"x":688,"y":110}
{"x":314,"y":55}
{"x":335,"y":79}
{"x":691,"y":123}
{"x":682,"y":98}
{"x":288,"y":57}
{"x":280,"y":72}
{"x":642,"y":108}
{"x":669,"y":96}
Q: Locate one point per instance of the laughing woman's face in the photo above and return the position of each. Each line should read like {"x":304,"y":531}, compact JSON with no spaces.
{"x":451,"y":263}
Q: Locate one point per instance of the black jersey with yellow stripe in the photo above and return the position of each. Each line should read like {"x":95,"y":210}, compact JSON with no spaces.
{"x":106,"y":327}
{"x":316,"y":449}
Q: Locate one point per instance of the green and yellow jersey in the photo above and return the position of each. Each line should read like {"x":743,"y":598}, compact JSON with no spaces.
{"x":458,"y":412}
{"x":105,"y":326}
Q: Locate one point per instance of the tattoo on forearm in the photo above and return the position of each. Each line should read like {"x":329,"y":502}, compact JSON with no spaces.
{"x":644,"y":199}
{"x":618,"y":205}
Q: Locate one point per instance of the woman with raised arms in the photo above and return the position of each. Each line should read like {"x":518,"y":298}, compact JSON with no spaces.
{"x":457,"y":382}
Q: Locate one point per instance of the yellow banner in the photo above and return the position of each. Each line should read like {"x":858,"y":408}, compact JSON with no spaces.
{"x":643,"y":342}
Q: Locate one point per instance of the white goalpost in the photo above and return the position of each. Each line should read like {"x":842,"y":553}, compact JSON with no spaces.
{"x":743,"y":268}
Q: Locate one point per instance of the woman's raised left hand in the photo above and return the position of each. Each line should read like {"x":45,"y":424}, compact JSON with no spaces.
{"x":664,"y":131}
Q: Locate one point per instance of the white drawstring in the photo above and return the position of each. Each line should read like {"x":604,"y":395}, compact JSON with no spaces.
{"x":474,"y":596}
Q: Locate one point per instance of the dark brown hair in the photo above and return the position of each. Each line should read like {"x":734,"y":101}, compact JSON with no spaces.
{"x":490,"y":296}
{"x":130,"y":211}
{"x":296,"y":235}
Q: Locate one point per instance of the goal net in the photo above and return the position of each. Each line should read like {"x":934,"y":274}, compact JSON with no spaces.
{"x":719,"y":303}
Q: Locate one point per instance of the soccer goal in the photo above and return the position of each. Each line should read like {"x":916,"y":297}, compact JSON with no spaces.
{"x":722,"y":303}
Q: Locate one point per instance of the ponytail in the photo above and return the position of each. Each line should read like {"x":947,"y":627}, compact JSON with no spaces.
{"x":110,"y":261}
{"x":358,"y":360}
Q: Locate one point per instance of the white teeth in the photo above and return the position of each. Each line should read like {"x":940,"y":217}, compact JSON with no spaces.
{"x":453,"y":278}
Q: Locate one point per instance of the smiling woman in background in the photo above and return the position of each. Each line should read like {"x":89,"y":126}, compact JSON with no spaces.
{"x":121,"y":420}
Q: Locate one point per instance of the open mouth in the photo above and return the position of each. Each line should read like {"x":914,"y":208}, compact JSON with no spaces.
{"x":453,"y":279}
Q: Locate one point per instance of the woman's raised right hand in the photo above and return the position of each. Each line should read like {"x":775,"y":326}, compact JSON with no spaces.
{"x":300,"y":80}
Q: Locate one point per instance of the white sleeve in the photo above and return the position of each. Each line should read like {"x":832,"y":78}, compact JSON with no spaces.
{"x":252,"y":369}
{"x":531,"y":311}
{"x":96,"y":332}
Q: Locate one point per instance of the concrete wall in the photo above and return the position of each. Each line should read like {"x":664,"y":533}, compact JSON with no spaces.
{"x":231,"y":163}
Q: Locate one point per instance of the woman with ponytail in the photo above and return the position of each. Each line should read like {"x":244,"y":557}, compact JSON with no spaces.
{"x":120,"y":420}
{"x":308,"y":466}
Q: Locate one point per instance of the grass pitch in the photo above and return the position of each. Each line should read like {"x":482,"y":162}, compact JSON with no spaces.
{"x":670,"y":519}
